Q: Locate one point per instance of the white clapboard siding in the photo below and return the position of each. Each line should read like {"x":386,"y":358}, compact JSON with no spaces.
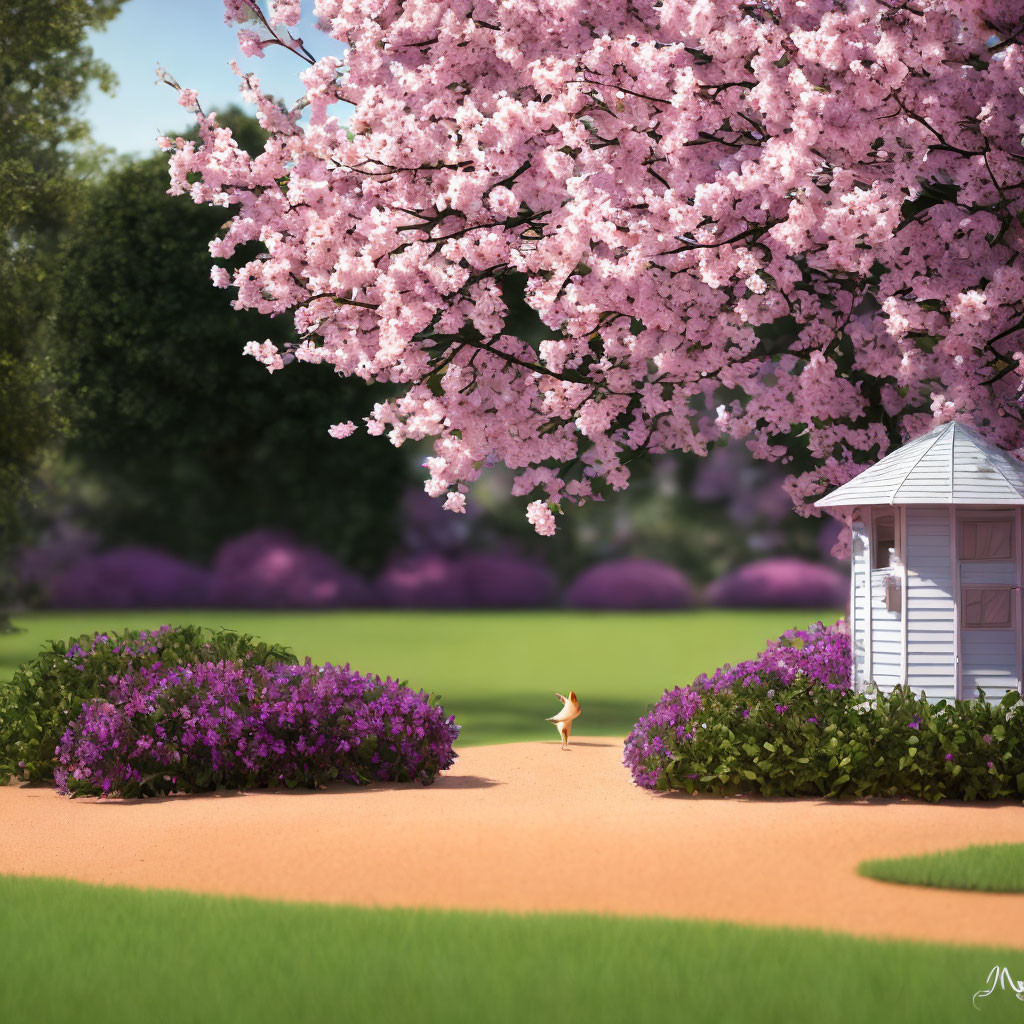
{"x":859,"y":603}
{"x":886,"y":636}
{"x":931,"y":610}
{"x":989,"y":662}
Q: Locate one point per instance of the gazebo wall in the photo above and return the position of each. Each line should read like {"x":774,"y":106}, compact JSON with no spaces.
{"x":886,"y":636}
{"x":931,"y":625}
{"x":859,"y":609}
{"x":918,"y":636}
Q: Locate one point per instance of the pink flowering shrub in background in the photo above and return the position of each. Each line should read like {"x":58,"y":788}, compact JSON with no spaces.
{"x":769,"y":221}
{"x":130,"y":577}
{"x":507,"y":581}
{"x":781,"y":583}
{"x":269,"y":569}
{"x":631,"y":584}
{"x":423,"y":581}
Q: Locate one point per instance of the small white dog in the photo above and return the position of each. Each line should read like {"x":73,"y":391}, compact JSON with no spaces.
{"x":563,"y":720}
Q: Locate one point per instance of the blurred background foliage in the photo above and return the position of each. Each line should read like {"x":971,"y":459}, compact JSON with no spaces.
{"x":45,"y":70}
{"x":179,"y":441}
{"x":704,"y":515}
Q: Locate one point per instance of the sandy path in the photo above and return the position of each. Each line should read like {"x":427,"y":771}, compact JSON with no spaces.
{"x":527,"y":827}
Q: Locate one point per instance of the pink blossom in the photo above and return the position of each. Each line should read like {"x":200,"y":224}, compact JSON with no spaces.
{"x":342,"y":430}
{"x":541,"y":518}
{"x":251,"y":43}
{"x":798,"y":225}
{"x":265,"y":353}
{"x":285,"y":12}
{"x":455,"y":502}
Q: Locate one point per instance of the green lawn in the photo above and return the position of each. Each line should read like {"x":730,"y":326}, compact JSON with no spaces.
{"x":91,"y":955}
{"x":496,"y":671}
{"x":995,"y":868}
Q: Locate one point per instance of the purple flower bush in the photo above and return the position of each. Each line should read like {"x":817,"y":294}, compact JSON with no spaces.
{"x":270,"y":569}
{"x":507,"y":581}
{"x":481,"y":580}
{"x":130,"y":577}
{"x":788,"y":723}
{"x":782,"y":582}
{"x":200,"y":727}
{"x":630,"y":584}
{"x":423,"y":581}
{"x":819,"y":657}
{"x":47,"y":693}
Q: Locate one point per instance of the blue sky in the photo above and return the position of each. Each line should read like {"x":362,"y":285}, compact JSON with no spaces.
{"x":189,"y":38}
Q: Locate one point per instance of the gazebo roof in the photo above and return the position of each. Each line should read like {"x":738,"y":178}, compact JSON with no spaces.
{"x":950,"y":465}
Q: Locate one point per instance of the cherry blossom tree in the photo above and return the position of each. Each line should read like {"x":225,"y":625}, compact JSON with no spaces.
{"x":797,"y":222}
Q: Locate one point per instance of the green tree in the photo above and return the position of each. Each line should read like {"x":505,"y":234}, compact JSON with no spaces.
{"x":182,"y":440}
{"x":45,"y":69}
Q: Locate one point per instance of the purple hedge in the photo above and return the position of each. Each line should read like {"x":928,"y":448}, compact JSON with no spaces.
{"x":130,"y":577}
{"x":788,"y":723}
{"x":782,"y":582}
{"x":630,"y":583}
{"x":507,"y":581}
{"x":199,"y":727}
{"x":423,"y":581}
{"x":269,"y":569}
{"x":799,"y":662}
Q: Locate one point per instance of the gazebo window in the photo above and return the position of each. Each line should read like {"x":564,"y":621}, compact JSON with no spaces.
{"x":988,"y":607}
{"x":884,"y":542}
{"x":986,"y":540}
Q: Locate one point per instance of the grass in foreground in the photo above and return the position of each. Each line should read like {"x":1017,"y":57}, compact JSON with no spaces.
{"x":97,"y":955}
{"x":495,"y":671}
{"x":995,"y":868}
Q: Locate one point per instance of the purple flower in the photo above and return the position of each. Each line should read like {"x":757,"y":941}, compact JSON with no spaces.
{"x":241,"y":726}
{"x":811,"y":658}
{"x":914,"y":723}
{"x":950,"y":757}
{"x":987,"y":738}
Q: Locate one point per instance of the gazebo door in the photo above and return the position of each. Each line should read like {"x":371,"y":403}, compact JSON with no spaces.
{"x":988,"y":557}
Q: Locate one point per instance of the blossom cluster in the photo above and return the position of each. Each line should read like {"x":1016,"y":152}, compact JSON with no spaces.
{"x":815,"y":658}
{"x":225,"y":724}
{"x":129,"y":646}
{"x":772,"y":221}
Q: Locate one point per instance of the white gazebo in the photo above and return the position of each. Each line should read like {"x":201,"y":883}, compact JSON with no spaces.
{"x":936,"y":566}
